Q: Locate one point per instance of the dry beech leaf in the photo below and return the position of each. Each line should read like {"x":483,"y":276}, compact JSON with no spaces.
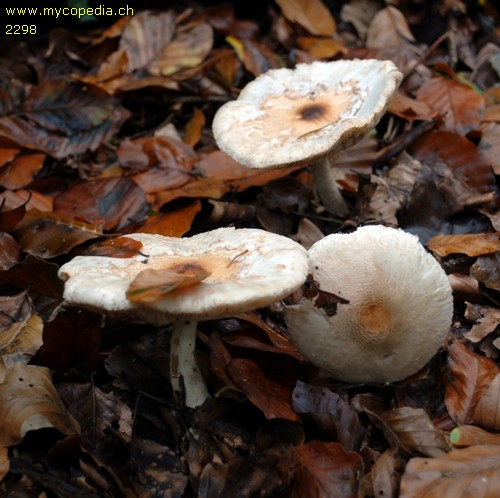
{"x":462,"y":107}
{"x":331,"y":413}
{"x":473,"y":244}
{"x":29,"y":401}
{"x":487,"y":319}
{"x":20,"y":342}
{"x":412,"y":431}
{"x":272,"y":398}
{"x":152,"y":285}
{"x":486,"y":269}
{"x":389,"y":28}
{"x":490,"y":144}
{"x":487,"y":411}
{"x":118,"y":247}
{"x":321,"y":48}
{"x":470,"y":435}
{"x":20,"y":172}
{"x":472,"y":472}
{"x":172,"y":223}
{"x":469,"y":378}
{"x":410,"y":109}
{"x":312,"y":15}
{"x":194,"y":128}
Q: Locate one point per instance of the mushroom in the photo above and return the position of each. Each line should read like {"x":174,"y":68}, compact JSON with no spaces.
{"x":377,"y":309}
{"x":226,"y":271}
{"x":298,"y":116}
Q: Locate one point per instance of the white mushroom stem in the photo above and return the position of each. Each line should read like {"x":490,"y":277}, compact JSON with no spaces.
{"x":327,"y":188}
{"x":185,"y":375}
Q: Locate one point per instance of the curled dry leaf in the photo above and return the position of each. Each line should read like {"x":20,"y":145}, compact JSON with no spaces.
{"x":20,"y":172}
{"x":486,"y":269}
{"x":29,"y":401}
{"x":487,"y":319}
{"x":389,"y":28}
{"x":471,"y":244}
{"x":470,"y":472}
{"x":470,"y":435}
{"x":468,"y":380}
{"x":487,"y":411}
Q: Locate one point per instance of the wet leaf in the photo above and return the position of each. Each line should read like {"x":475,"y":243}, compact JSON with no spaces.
{"x":311,"y":15}
{"x":152,"y":285}
{"x":473,"y":471}
{"x":470,"y":375}
{"x":272,"y":398}
{"x":462,"y":108}
{"x":475,"y":244}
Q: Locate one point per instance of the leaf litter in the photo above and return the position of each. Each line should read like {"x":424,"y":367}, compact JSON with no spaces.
{"x":105,"y":131}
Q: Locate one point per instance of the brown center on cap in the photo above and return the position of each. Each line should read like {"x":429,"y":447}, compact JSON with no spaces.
{"x":312,"y":112}
{"x":376,"y":320}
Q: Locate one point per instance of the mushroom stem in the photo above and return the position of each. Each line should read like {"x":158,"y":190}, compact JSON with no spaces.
{"x":183,"y":364}
{"x":327,"y":188}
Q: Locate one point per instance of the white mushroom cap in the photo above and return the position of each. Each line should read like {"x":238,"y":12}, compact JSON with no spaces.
{"x":398,"y":311}
{"x":292,"y":116}
{"x":249,"y":268}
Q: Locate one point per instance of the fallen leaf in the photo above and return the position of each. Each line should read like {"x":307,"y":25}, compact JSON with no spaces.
{"x":194,"y":127}
{"x":487,"y":411}
{"x":469,"y":377}
{"x":388,"y":28}
{"x":117,"y":247}
{"x":20,"y":172}
{"x":486,"y":269}
{"x":469,"y":472}
{"x":29,"y":401}
{"x":470,"y":435}
{"x":474,"y":244}
{"x":487,"y":319}
{"x":152,"y":285}
{"x":272,"y":398}
{"x":462,"y":107}
{"x":489,"y":144}
{"x":312,"y":15}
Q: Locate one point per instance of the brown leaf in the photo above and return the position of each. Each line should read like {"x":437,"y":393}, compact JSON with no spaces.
{"x":321,"y":48}
{"x":486,"y":269}
{"x":48,"y":236}
{"x":312,"y":15}
{"x":145,"y":36}
{"x":474,"y":244}
{"x":272,"y":398}
{"x":389,"y":28}
{"x":470,"y":435}
{"x":460,"y":154}
{"x":490,"y":144}
{"x":112,"y":203}
{"x":412,"y":431}
{"x":326,"y":469}
{"x":29,"y":401}
{"x":410,"y":109}
{"x":20,"y":172}
{"x":96,"y":411}
{"x":487,"y":411}
{"x":469,"y":472}
{"x":469,"y":377}
{"x":487,"y":319}
{"x":194,"y":127}
{"x":172,"y":223}
{"x":330,"y":412}
{"x":152,"y":285}
{"x":462,"y":107}
{"x":118,"y":247}
{"x":256,"y":57}
{"x":10,"y":252}
{"x":188,"y":49}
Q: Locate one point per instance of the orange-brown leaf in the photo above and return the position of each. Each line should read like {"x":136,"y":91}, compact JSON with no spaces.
{"x":310,"y":14}
{"x":473,"y":244}
{"x":194,"y":128}
{"x":152,"y":285}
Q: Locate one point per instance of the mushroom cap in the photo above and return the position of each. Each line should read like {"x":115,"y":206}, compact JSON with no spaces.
{"x":249,"y":268}
{"x":292,"y":116}
{"x":399,"y":306}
